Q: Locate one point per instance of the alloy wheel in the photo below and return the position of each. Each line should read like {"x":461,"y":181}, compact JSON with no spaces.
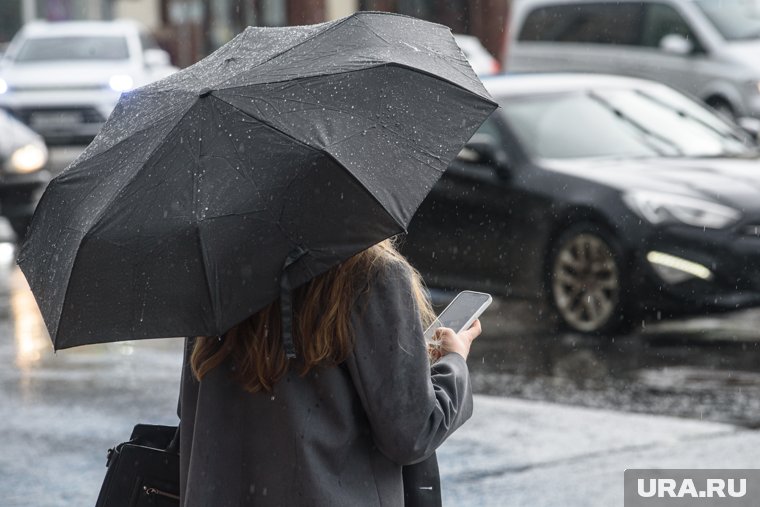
{"x":585,"y":282}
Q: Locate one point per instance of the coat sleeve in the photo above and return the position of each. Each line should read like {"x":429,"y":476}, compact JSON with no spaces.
{"x":412,"y":407}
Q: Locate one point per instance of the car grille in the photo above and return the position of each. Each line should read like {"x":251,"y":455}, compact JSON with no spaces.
{"x":88,"y":114}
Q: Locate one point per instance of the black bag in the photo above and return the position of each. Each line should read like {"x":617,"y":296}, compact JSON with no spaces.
{"x":143,"y":471}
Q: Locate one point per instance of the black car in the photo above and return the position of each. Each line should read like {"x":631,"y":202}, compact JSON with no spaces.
{"x":23,"y":156}
{"x":617,"y":199}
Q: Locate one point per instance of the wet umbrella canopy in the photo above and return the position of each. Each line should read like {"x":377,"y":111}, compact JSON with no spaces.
{"x":286,"y":151}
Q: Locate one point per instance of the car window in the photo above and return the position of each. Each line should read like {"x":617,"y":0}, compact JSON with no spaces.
{"x":661,"y":20}
{"x":41,"y":49}
{"x":734,"y":19}
{"x":571,"y":126}
{"x":617,"y":123}
{"x":586,"y":23}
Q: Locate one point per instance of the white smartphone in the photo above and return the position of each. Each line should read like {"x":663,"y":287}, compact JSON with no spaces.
{"x":466,"y":307}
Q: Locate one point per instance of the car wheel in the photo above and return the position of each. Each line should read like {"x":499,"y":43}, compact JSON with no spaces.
{"x":585,"y":282}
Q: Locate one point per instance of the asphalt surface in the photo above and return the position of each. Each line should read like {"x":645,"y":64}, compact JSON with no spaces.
{"x":706,"y":368}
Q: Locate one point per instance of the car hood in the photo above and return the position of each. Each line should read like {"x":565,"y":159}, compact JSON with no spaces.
{"x":67,"y":74}
{"x":733,"y":182}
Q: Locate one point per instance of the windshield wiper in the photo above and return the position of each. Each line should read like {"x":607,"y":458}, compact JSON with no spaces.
{"x":638,"y":126}
{"x":687,"y":115}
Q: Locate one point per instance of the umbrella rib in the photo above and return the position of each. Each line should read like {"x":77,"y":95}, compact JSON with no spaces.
{"x":432,"y":52}
{"x":487,"y":97}
{"x":277,"y":55}
{"x":243,"y":174}
{"x":341,"y":111}
{"x":84,"y":156}
{"x":323,"y":152}
{"x":132,"y":178}
{"x":100,"y":216}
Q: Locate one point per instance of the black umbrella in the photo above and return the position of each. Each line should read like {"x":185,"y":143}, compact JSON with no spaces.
{"x":210,"y":192}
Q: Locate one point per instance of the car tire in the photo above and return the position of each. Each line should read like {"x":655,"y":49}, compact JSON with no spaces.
{"x":586,"y":282}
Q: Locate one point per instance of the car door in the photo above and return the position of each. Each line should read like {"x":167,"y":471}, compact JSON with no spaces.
{"x":576,"y":36}
{"x":655,"y":59}
{"x":475,"y":229}
{"x":447,"y":239}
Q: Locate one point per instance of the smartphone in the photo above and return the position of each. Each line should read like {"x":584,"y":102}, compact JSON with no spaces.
{"x":466,"y":307}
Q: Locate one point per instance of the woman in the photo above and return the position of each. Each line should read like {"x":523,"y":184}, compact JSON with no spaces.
{"x":334,"y":426}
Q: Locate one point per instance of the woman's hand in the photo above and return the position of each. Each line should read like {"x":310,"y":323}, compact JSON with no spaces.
{"x":451,"y":342}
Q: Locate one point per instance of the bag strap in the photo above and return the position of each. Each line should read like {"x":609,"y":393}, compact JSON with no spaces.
{"x":174,"y":444}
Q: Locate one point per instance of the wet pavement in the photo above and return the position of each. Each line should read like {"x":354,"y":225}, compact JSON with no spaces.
{"x":529,"y":453}
{"x":706,"y":368}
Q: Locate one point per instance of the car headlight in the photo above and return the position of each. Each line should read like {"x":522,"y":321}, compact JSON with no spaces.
{"x":659,"y":208}
{"x":121,"y":83}
{"x":27,"y":159}
{"x":3,"y":86}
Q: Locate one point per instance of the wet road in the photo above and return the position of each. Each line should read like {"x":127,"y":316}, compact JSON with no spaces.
{"x":705,"y":368}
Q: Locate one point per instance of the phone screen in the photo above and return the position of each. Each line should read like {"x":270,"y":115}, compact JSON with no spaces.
{"x":461,"y":312}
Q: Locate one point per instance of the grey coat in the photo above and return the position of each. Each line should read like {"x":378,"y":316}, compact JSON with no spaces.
{"x":335,"y":437}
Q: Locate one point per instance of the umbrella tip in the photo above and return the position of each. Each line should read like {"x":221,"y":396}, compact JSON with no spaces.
{"x":204,"y":92}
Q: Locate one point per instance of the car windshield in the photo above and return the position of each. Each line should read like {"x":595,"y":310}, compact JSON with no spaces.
{"x":41,"y":49}
{"x":620,"y":123}
{"x":734,"y":19}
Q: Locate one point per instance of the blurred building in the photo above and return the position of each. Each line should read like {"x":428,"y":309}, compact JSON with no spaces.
{"x":191,"y":29}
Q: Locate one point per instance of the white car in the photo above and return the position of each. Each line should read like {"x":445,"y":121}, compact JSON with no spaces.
{"x":63,"y":79}
{"x":480,"y":59}
{"x":706,"y":48}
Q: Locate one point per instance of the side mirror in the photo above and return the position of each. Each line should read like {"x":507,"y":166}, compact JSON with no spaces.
{"x":676,"y":44}
{"x":156,"y":58}
{"x":484,"y":149}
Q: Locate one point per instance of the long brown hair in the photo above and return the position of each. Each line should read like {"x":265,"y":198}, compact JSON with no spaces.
{"x":323,"y":312}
